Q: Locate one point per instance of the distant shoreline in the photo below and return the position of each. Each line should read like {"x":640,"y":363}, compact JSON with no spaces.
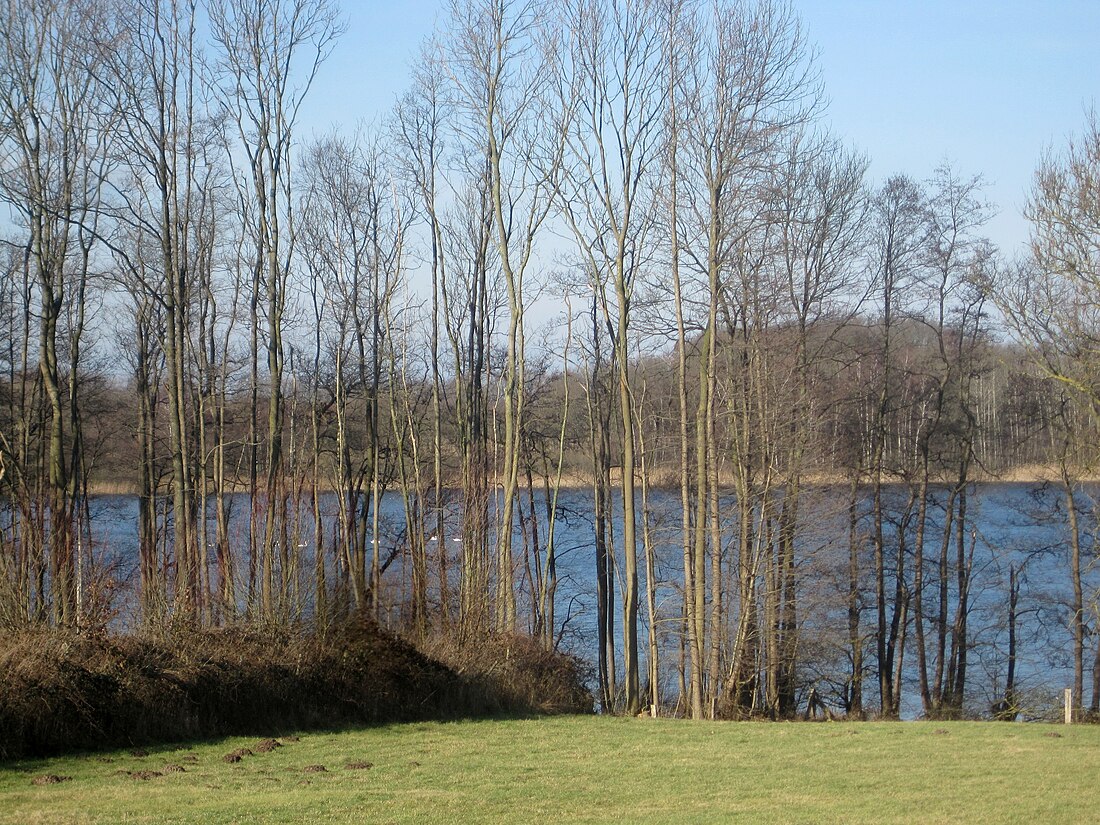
{"x":665,"y":481}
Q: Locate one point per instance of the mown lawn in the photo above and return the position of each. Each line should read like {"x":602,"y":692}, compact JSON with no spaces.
{"x":588,"y":769}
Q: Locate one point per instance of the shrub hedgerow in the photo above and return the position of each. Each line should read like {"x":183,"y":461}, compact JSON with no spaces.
{"x":64,"y":691}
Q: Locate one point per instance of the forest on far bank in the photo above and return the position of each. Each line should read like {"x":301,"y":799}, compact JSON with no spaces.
{"x":597,"y":243}
{"x":1019,"y":418}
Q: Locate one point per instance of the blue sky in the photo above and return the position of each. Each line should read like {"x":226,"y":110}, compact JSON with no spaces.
{"x":988,"y":85}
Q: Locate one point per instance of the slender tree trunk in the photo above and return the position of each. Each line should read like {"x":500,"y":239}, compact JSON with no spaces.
{"x":855,"y":638}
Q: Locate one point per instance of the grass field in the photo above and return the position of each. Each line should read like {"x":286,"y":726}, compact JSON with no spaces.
{"x":587,"y":769}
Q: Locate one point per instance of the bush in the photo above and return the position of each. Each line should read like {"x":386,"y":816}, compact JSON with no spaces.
{"x":62,"y":691}
{"x":516,"y":673}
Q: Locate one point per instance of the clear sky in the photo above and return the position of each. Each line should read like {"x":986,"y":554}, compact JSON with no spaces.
{"x":988,"y":85}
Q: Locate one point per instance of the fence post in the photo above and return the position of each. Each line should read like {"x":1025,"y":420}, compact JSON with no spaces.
{"x":1069,"y":706}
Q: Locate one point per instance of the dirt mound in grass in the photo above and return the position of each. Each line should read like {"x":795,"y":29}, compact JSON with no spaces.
{"x":50,"y":779}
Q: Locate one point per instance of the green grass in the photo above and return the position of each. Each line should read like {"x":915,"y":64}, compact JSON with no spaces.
{"x":590,"y":769}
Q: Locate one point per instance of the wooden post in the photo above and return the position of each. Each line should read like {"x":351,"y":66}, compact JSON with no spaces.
{"x":1069,"y":706}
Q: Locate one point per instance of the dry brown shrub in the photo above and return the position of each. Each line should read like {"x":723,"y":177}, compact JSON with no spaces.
{"x":512,"y":673}
{"x":61,"y":691}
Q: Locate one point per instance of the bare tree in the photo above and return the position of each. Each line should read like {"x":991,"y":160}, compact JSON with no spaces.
{"x":497,"y":62}
{"x":612,"y":75}
{"x":418,"y":130}
{"x":899,"y":236}
{"x":752,"y":82}
{"x":170,"y":211}
{"x":819,"y":205}
{"x":53,"y":161}
{"x":268,"y":54}
{"x":1050,"y":305}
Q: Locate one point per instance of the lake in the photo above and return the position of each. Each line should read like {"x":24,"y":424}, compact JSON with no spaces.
{"x":1022,"y":525}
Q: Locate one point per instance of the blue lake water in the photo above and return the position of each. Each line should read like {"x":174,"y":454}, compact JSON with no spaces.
{"x":1018,"y":525}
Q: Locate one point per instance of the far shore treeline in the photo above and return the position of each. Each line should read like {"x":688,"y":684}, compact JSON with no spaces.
{"x":599,"y":244}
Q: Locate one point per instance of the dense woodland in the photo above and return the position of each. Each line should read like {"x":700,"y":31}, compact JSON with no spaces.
{"x":599,"y":244}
